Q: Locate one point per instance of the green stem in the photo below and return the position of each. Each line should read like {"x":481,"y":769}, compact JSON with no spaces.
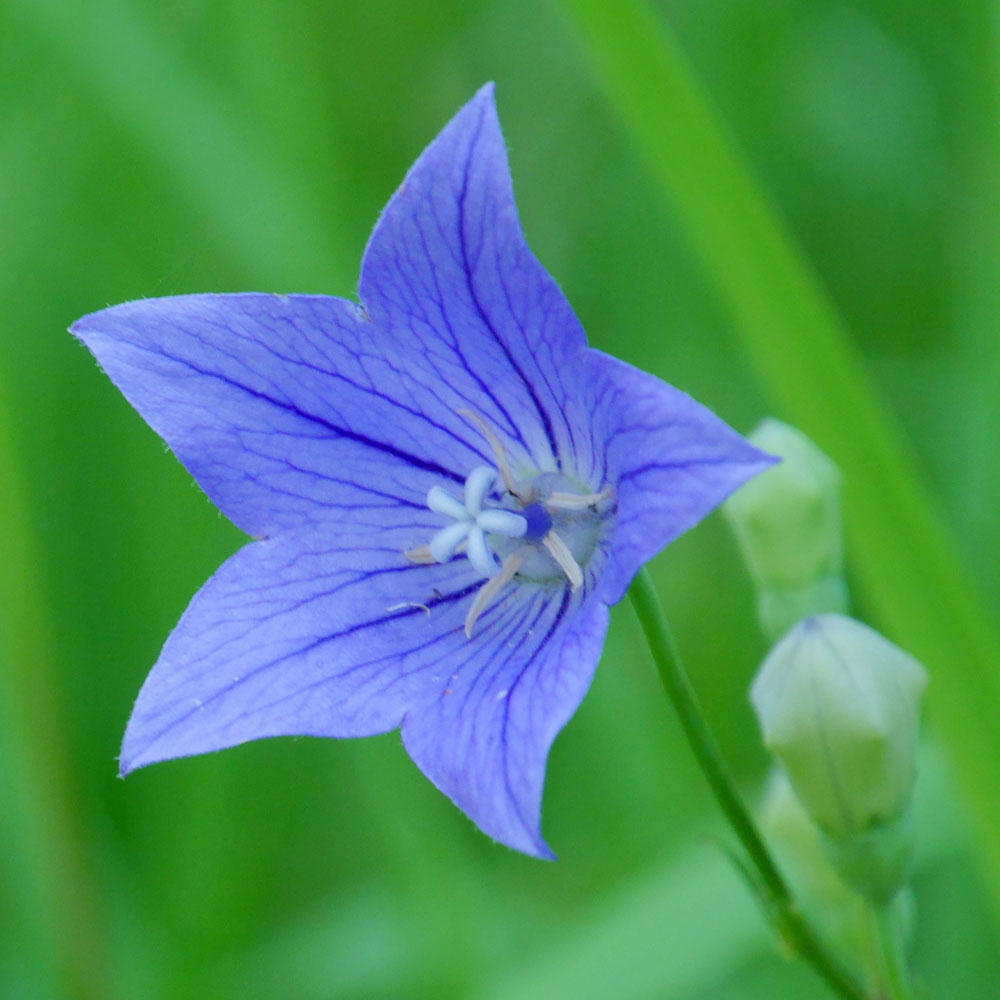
{"x":893,"y":977}
{"x":790,"y":922}
{"x":53,"y":881}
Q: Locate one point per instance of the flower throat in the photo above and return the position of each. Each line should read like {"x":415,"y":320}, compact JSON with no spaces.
{"x":540,"y":530}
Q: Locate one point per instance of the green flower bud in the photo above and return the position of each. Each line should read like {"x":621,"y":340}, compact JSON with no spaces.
{"x":838,"y":705}
{"x":839,"y":914}
{"x":829,"y":901}
{"x":876,"y":862}
{"x":787,"y":522}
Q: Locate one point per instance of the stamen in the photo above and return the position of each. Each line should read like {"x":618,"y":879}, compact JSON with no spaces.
{"x":421,"y":554}
{"x":498,"y":453}
{"x":493,"y":586}
{"x":558,"y":550}
{"x":408,"y":604}
{"x":574,"y":501}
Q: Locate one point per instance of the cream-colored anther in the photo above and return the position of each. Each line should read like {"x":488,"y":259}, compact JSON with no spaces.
{"x":574,"y":501}
{"x":493,"y":586}
{"x":421,"y":555}
{"x":557,"y":548}
{"x":498,"y":453}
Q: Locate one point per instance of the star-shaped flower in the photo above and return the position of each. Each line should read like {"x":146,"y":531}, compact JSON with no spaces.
{"x":337,"y":435}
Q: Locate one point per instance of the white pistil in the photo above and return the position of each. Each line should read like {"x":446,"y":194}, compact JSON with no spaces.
{"x":501,"y":522}
{"x":559,"y":551}
{"x":477,"y":485}
{"x":479,"y":552}
{"x":444,"y":543}
{"x":493,"y":586}
{"x":471,"y":523}
{"x":444,"y":503}
{"x":501,"y":456}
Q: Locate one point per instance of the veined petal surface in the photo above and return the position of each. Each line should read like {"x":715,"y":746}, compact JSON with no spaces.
{"x":448,"y":266}
{"x":307,"y":633}
{"x":484,"y":741}
{"x":670,"y":460}
{"x":313,"y":633}
{"x":288,"y":410}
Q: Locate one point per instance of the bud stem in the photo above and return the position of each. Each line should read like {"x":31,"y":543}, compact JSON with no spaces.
{"x":892,"y":975}
{"x":777,"y":895}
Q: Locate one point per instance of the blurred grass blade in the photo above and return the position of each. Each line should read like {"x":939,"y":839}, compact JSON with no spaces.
{"x":47,"y":880}
{"x":238,"y":184}
{"x":902,"y":554}
{"x":973,"y":403}
{"x":634,"y":945}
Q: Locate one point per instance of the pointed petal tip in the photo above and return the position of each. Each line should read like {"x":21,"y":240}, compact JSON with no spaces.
{"x":129,"y":760}
{"x":98,"y":328}
{"x":92,"y":322}
{"x":487,"y":92}
{"x":481,"y":106}
{"x":759,"y":462}
{"x":543,"y":852}
{"x":524,"y":840}
{"x":126,"y":765}
{"x":137,"y":753}
{"x":83,"y":327}
{"x":132,"y":759}
{"x":751,"y":461}
{"x":748,"y":453}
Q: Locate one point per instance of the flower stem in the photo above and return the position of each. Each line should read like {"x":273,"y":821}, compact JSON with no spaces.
{"x":787,"y":918}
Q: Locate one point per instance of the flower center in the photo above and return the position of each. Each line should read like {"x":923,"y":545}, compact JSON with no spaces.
{"x":557,"y":509}
{"x":538,"y":522}
{"x":542,"y":529}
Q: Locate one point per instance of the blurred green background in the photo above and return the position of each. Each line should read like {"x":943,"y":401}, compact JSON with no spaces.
{"x":153,"y":148}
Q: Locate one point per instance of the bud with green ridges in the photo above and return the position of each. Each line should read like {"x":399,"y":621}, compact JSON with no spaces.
{"x":838,"y":705}
{"x":787,"y":522}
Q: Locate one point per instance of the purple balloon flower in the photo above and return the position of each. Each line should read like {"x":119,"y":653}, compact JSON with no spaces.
{"x":446,"y":486}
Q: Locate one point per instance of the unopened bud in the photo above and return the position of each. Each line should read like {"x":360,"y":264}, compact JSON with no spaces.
{"x":835,"y":910}
{"x":788,"y":525}
{"x":827,"y":898}
{"x":838,"y":705}
{"x":876,"y":862}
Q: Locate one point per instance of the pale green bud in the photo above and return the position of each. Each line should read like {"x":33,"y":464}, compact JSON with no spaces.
{"x":837,"y":912}
{"x":788,"y":525}
{"x":876,"y":862}
{"x":838,"y":705}
{"x":830,"y":902}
